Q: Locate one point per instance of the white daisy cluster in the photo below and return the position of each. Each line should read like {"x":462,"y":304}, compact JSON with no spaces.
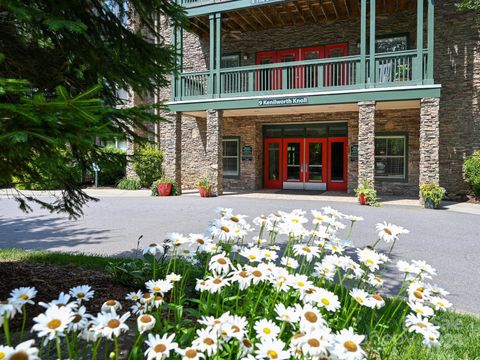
{"x":291,"y":291}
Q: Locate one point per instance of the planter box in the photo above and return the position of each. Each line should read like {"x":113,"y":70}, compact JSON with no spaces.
{"x":429,"y":204}
{"x":362,"y":199}
{"x":204,"y":192}
{"x":164,"y":189}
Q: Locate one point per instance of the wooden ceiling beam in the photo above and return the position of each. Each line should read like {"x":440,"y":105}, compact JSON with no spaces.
{"x":235,"y":19}
{"x":346,"y":7}
{"x":334,"y":8}
{"x":299,"y":11}
{"x":254,"y":16}
{"x":312,"y":13}
{"x":323,"y":10}
{"x":246,"y":21}
{"x":260,"y":10}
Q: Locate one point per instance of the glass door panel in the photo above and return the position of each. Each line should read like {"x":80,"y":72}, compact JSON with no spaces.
{"x":316,"y":164}
{"x":273,"y":164}
{"x":309,"y":73}
{"x":288,"y":74}
{"x":293,"y":163}
{"x":336,"y":74}
{"x":266,"y":78}
{"x":337,"y":159}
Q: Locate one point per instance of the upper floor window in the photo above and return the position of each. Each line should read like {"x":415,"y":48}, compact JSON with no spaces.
{"x":391,"y":157}
{"x":391,"y":43}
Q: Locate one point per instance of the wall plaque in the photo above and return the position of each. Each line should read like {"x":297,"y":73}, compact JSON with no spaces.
{"x":247,"y":153}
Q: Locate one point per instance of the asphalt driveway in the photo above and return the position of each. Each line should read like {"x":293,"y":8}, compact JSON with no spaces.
{"x":449,"y":241}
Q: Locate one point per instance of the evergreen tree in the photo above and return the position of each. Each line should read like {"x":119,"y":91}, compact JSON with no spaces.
{"x":61,"y":66}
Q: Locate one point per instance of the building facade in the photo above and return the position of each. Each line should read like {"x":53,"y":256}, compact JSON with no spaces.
{"x":322,"y":94}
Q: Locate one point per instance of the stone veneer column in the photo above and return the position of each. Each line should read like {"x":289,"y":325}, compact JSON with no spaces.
{"x":171,"y":145}
{"x":429,"y":140}
{"x":214,"y":150}
{"x":366,"y":142}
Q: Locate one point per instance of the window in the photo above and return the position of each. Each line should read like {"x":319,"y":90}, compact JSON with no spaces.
{"x":231,"y":157}
{"x":230,"y":60}
{"x":391,"y":157}
{"x":391,"y":43}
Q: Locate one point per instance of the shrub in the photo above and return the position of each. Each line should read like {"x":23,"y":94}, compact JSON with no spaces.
{"x":369,"y":192}
{"x":112,"y":163}
{"x":129,"y":184}
{"x":433,"y":192}
{"x":471,"y":172}
{"x":147,"y":164}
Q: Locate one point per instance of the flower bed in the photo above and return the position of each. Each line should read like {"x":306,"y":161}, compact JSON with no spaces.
{"x":290,"y":293}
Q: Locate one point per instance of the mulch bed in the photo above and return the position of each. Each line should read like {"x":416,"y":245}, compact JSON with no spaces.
{"x":51,"y":279}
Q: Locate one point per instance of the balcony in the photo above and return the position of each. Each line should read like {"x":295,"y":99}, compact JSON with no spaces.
{"x":321,"y":75}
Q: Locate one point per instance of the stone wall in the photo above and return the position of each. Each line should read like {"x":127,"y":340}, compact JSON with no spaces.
{"x":457,"y":69}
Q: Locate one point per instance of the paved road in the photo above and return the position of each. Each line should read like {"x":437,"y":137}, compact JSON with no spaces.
{"x":449,"y":241}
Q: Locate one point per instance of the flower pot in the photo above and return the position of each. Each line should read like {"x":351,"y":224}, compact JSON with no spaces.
{"x":430,"y":204}
{"x":362,"y":199}
{"x":204,"y":192}
{"x":164,"y":189}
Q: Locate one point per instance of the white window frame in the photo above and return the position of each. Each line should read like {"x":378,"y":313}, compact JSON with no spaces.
{"x":237,"y":173}
{"x":404,"y":157}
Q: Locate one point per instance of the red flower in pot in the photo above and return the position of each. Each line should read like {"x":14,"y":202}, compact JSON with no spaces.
{"x":204,"y":187}
{"x":165,"y":187}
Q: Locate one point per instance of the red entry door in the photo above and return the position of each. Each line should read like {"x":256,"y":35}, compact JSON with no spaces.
{"x":294,"y":163}
{"x":266,"y":78}
{"x":309,"y":73}
{"x":273,"y":176}
{"x":315,"y":163}
{"x":335,"y":74}
{"x":337,"y":179}
{"x":288,"y":77}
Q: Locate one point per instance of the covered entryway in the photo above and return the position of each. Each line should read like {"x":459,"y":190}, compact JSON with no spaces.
{"x":305,"y":157}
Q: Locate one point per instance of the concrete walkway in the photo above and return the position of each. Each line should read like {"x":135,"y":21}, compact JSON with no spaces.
{"x":448,"y":239}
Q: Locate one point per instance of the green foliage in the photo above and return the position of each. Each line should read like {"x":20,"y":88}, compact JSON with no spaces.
{"x":147,"y":164}
{"x":203,"y":183}
{"x":369,"y":192}
{"x":471,"y":173}
{"x":469,"y":5}
{"x":112,"y":165}
{"x":129,"y":184}
{"x":432,"y":191}
{"x":163,"y":180}
{"x":62,"y":66}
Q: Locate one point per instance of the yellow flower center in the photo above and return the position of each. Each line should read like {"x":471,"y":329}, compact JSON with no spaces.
{"x":191,"y":353}
{"x":156,"y":288}
{"x":208,"y":341}
{"x":421,"y":325}
{"x":369,"y":262}
{"x":387,"y":230}
{"x":235,"y":328}
{"x":252,"y":257}
{"x":325,"y":301}
{"x":311,"y":316}
{"x":257,"y":273}
{"x":2,"y":355}
{"x":24,"y":297}
{"x":160,"y":348}
{"x":81,"y":295}
{"x":377,"y":297}
{"x":418,"y":295}
{"x":350,"y":346}
{"x":217,"y":281}
{"x":295,"y":221}
{"x":313,"y":342}
{"x":113,"y":324}
{"x":243,"y":274}
{"x":267,"y":331}
{"x":272,"y":354}
{"x":247,"y":343}
{"x":111,"y":302}
{"x":306,"y":249}
{"x":225,"y":229}
{"x":145,"y":319}
{"x":77,"y":319}
{"x":21,"y":355}
{"x":441,"y":304}
{"x":359,"y":299}
{"x":235,"y":219}
{"x":152,"y":245}
{"x":54,"y":324}
{"x":301,"y":284}
{"x":201,"y":241}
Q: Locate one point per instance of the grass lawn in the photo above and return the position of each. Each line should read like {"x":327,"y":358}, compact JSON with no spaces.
{"x":460,"y":332}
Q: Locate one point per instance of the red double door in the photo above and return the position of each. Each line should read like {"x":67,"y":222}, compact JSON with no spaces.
{"x":302,"y":76}
{"x":306,"y":163}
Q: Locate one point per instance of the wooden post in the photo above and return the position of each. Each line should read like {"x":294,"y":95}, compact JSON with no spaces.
{"x":418,"y":73}
{"x":431,"y":41}
{"x":372,"y":42}
{"x":363,"y":43}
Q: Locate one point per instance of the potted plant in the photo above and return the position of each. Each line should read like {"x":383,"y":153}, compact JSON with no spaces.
{"x":165,"y":186}
{"x":204,"y":187}
{"x":366,"y":194}
{"x":431,"y":194}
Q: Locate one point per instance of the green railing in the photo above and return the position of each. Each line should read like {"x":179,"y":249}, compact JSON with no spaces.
{"x":192,"y":3}
{"x":343,"y":73}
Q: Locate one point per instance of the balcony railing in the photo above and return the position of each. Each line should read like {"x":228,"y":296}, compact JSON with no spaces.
{"x":343,"y":73}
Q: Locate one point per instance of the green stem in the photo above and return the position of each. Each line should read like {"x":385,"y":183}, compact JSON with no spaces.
{"x":117,"y":351}
{"x":24,"y":322}
{"x":6,"y":329}
{"x":59,"y":348}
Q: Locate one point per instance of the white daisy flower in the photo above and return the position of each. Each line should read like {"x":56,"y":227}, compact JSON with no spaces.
{"x":82,"y":293}
{"x":220,"y":264}
{"x":252,"y":254}
{"x":370,"y":258}
{"x":430,"y":338}
{"x":266,"y":329}
{"x":353,"y":218}
{"x":327,"y":300}
{"x":440,"y":303}
{"x":377,"y":301}
{"x":436,"y":290}
{"x":111,"y":305}
{"x":332,"y":212}
{"x":159,"y":286}
{"x":348,"y":345}
{"x":424,"y":267}
{"x":310,"y":252}
{"x":375,"y":280}
{"x":235,"y":327}
{"x":418,"y":324}
{"x":272,"y":349}
{"x":260,"y":273}
{"x":138,"y":309}
{"x":173,"y":278}
{"x":111,"y":325}
{"x":190,"y":353}
{"x":134,"y":296}
{"x":310,"y":318}
{"x":362,"y":297}
{"x":242,"y":277}
{"x":147,"y":298}
{"x":62,"y":300}
{"x":159,"y":348}
{"x":24,"y":351}
{"x":299,"y":282}
{"x":387,"y":232}
{"x":9,"y":309}
{"x":153,"y":249}
{"x":23,"y":295}
{"x":5,"y":352}
{"x":216,"y":284}
{"x":287,"y":314}
{"x":176,"y":239}
{"x":53,"y":322}
{"x":421,"y":309}
{"x":289,"y":262}
{"x":206,"y":342}
{"x":318,"y":217}
{"x":158,"y":300}
{"x":80,"y":319}
{"x":316,"y":343}
{"x":145,"y":322}
{"x":223,"y":230}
